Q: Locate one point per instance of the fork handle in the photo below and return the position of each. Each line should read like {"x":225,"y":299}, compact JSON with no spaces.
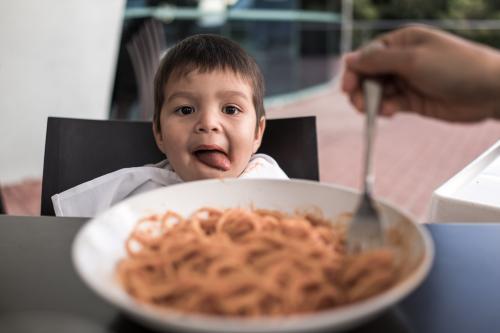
{"x":372,"y":93}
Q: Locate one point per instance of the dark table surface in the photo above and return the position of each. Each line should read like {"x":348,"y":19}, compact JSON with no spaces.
{"x":39,"y":285}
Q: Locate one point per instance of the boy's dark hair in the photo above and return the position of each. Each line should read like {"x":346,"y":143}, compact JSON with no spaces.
{"x":205,"y":53}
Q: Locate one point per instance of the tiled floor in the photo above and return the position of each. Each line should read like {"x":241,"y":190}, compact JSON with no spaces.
{"x":413,"y":155}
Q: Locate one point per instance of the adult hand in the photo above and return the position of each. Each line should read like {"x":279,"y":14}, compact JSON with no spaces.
{"x":430,"y":72}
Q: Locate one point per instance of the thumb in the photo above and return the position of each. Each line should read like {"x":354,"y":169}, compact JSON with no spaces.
{"x":380,"y":61}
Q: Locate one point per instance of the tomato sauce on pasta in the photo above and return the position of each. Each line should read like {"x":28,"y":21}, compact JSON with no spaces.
{"x":248,"y":263}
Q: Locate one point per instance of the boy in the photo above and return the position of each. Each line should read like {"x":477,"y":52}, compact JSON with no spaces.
{"x":208,"y":120}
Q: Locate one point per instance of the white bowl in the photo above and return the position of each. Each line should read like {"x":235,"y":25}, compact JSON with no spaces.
{"x":99,"y":245}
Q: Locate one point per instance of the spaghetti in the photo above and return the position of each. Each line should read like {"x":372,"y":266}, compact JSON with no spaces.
{"x":247,"y":263}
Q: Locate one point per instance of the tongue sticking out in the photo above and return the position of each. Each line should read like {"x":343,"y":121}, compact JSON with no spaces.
{"x":214,"y":159}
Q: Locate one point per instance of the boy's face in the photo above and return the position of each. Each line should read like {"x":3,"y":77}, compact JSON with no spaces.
{"x":208,"y":123}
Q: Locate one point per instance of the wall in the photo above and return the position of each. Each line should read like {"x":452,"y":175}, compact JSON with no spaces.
{"x":57,"y":58}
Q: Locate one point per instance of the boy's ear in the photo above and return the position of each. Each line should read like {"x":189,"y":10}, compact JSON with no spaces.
{"x":259,"y":133}
{"x":158,"y":138}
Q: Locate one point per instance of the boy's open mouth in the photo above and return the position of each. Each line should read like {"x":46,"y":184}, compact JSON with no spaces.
{"x":212,"y":156}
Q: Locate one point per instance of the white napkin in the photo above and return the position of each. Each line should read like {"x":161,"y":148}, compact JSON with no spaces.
{"x":92,"y":197}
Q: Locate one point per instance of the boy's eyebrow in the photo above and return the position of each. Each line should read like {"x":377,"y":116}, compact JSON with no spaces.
{"x":226,"y":93}
{"x":223,"y":93}
{"x":179,"y":94}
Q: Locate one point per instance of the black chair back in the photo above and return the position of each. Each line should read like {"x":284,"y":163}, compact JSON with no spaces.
{"x":78,"y":150}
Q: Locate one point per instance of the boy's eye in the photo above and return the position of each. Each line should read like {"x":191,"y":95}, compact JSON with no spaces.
{"x":184,"y":110}
{"x":231,"y":110}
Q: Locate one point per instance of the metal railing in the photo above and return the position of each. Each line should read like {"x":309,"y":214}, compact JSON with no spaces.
{"x":169,"y":13}
{"x":366,"y":28}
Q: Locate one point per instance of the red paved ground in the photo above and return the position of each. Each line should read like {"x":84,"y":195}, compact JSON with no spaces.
{"x":23,"y":198}
{"x":413,"y":155}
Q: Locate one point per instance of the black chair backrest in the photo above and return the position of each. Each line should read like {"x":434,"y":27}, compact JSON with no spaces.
{"x":78,"y":150}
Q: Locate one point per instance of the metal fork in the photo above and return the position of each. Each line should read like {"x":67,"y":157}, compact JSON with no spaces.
{"x":365,"y":229}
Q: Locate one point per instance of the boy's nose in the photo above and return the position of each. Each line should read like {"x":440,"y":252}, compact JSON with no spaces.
{"x":208,"y":122}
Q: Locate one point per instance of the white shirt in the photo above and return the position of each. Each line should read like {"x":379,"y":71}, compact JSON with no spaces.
{"x":92,"y":197}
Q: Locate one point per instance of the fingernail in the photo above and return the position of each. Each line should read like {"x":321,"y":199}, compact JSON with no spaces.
{"x":353,"y":57}
{"x":372,"y":46}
